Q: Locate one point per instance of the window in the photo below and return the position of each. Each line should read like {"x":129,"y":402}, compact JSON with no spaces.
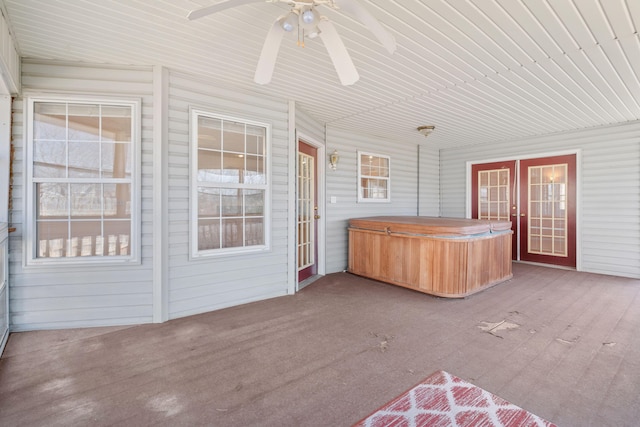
{"x":373,"y":178}
{"x":229,"y":185}
{"x":82,"y":180}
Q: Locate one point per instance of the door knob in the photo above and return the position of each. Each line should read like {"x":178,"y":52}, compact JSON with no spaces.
{"x":316,"y":216}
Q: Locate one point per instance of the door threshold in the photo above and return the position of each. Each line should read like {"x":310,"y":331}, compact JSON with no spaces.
{"x":308,"y":281}
{"x":559,"y":267}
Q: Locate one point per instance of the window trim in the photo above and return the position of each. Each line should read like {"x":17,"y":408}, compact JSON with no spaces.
{"x":30,"y":258}
{"x":194,"y":252}
{"x":362,"y":199}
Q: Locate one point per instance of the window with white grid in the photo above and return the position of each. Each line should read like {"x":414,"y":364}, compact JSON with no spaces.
{"x":229,"y":185}
{"x":493,"y":194}
{"x":82,"y":186}
{"x":374,"y":177}
{"x":548,"y":217}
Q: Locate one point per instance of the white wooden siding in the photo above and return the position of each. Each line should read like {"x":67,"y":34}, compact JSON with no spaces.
{"x":9,"y":60}
{"x":609,"y":189}
{"x":5,"y":154}
{"x":429,"y":172}
{"x":309,"y":126}
{"x":206,"y":284}
{"x":342,"y":184}
{"x":62,"y":297}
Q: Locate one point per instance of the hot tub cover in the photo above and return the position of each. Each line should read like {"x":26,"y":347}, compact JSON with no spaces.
{"x":426,"y":225}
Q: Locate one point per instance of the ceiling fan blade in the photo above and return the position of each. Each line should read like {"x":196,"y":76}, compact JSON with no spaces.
{"x":354,"y":8}
{"x":338,"y":53}
{"x":269,"y":54}
{"x":220,"y":6}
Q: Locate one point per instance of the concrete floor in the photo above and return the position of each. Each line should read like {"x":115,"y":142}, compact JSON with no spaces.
{"x":338,"y":350}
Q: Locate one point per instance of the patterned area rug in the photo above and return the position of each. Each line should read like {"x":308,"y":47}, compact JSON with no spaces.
{"x":444,"y":400}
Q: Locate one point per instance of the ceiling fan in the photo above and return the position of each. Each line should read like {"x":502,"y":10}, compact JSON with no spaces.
{"x":307,"y":21}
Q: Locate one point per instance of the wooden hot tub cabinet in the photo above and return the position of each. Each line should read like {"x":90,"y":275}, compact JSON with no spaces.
{"x":447,"y":257}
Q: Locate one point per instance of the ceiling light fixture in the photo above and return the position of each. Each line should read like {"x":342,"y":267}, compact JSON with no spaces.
{"x":288,"y":22}
{"x":309,"y":16}
{"x":426,"y":130}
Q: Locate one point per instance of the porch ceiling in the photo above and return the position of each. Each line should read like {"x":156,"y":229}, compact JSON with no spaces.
{"x":479,"y":70}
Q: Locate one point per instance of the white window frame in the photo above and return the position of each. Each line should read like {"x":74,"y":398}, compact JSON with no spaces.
{"x":30,"y":257}
{"x":194,"y":252}
{"x":362,"y":199}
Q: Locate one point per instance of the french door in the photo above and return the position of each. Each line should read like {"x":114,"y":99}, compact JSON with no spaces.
{"x":494,"y":196}
{"x":538,"y":196}
{"x":548,"y":211}
{"x":307,"y":240}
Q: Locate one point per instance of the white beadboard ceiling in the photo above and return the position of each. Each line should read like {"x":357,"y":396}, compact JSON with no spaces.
{"x":479,"y":70}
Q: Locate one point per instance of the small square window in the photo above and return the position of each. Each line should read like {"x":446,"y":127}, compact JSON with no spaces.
{"x":374,"y":177}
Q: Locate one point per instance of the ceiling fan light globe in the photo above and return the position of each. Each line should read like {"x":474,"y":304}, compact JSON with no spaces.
{"x":288,"y":22}
{"x":309,"y":18}
{"x":287,"y":27}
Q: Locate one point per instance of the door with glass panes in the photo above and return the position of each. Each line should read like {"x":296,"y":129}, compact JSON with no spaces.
{"x":494,"y":195}
{"x":307,"y":188}
{"x":538,"y":196}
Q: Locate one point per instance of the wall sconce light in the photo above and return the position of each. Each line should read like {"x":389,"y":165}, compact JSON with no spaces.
{"x":333,"y":159}
{"x":426,"y":130}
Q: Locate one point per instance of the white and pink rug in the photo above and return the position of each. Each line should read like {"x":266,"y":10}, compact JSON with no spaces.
{"x":443,"y":400}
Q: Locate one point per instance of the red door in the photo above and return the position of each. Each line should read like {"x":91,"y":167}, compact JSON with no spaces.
{"x":307,"y":240}
{"x":548,"y":210}
{"x":494,"y":195}
{"x":538,"y":196}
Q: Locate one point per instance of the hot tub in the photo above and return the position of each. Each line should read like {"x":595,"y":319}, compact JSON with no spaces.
{"x":447,"y":257}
